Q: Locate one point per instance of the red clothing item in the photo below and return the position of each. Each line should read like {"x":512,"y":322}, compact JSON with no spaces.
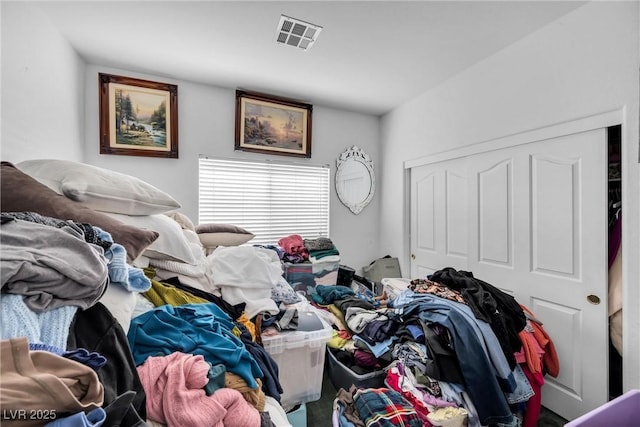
{"x":393,"y":382}
{"x":534,"y":404}
{"x":294,"y":245}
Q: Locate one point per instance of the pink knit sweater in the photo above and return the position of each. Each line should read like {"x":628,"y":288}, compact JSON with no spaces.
{"x":174,"y":386}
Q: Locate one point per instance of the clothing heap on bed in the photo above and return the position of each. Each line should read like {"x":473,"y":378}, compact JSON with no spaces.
{"x":117,"y":310}
{"x":457,"y":349}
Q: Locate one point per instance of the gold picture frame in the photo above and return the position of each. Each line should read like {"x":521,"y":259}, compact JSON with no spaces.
{"x":138,"y":117}
{"x":272,"y":125}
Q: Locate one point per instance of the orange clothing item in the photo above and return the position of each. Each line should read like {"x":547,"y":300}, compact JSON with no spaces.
{"x":550,"y":358}
{"x":251,"y":327}
{"x":532,"y":351}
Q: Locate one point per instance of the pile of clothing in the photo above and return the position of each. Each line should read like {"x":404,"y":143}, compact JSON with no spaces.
{"x":455,"y":347}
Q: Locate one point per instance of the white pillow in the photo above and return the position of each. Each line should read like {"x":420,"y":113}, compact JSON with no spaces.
{"x":120,"y":303}
{"x":98,"y":188}
{"x":171,"y":244}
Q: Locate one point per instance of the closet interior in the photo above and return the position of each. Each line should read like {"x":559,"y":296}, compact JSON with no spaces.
{"x":615,"y":264}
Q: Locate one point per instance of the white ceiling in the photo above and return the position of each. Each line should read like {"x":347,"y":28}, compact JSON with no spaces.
{"x":370,"y":57}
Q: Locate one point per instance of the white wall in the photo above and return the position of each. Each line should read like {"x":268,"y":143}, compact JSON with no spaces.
{"x":206,"y":125}
{"x":586,"y":63}
{"x":50,"y":110}
{"x":42,"y":88}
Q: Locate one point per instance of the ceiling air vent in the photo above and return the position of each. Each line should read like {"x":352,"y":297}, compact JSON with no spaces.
{"x":297,"y":33}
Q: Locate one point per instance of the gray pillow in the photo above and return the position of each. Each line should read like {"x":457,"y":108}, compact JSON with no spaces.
{"x":21,"y":193}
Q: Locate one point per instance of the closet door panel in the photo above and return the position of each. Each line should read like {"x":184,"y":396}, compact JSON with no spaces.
{"x":494,"y":203}
{"x":426,"y":224}
{"x":555,"y":221}
{"x":568,"y":257}
{"x":570,"y":377}
{"x":438,"y":217}
{"x":456,"y":214}
{"x":539,"y":232}
{"x":495,"y":214}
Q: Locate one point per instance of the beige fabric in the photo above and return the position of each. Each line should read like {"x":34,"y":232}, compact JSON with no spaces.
{"x":184,"y":221}
{"x":255,"y":397}
{"x":615,"y":326}
{"x":40,"y":380}
{"x":615,"y":284}
{"x":213,"y":235}
{"x":448,"y":417}
{"x":120,"y":303}
{"x":615,"y":302}
{"x":212,"y":240}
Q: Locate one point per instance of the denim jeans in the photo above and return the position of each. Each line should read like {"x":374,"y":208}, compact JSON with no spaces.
{"x":523,"y":391}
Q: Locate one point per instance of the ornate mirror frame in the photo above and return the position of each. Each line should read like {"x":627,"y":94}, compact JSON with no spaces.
{"x":345,"y":161}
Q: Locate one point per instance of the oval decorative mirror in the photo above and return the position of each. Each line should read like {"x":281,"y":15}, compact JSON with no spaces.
{"x":355,"y":180}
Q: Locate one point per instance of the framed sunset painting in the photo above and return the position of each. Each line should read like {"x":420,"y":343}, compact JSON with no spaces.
{"x":272,"y":125}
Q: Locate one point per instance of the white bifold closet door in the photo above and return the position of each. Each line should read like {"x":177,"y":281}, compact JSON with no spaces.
{"x":534,"y":224}
{"x":439,"y":217}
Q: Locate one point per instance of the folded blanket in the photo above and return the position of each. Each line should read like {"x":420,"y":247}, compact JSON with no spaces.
{"x":50,"y":266}
{"x":319,"y":244}
{"x":246,"y":274}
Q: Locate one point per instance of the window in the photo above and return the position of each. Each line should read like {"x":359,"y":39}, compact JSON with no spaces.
{"x":272,"y":200}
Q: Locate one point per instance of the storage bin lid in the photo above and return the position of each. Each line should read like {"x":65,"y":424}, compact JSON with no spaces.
{"x":318,"y":333}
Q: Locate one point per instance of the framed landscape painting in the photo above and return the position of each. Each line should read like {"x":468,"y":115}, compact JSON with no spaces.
{"x":272,"y":125}
{"x":138,"y":117}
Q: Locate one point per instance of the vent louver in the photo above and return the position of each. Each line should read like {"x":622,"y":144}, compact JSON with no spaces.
{"x":296,"y":33}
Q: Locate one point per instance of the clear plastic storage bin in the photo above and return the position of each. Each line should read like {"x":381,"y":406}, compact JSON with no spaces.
{"x":300,"y":358}
{"x":305,"y":276}
{"x":393,"y":286}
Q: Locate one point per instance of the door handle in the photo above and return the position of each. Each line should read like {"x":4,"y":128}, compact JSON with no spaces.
{"x":413,"y":256}
{"x":593,"y":299}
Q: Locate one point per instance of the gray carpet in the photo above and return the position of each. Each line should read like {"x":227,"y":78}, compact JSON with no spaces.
{"x":550,"y":419}
{"x":319,"y":412}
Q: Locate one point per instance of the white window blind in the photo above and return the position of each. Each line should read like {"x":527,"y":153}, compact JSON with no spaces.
{"x":271,"y":200}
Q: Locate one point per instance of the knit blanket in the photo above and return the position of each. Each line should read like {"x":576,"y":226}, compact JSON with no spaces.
{"x":175,"y":389}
